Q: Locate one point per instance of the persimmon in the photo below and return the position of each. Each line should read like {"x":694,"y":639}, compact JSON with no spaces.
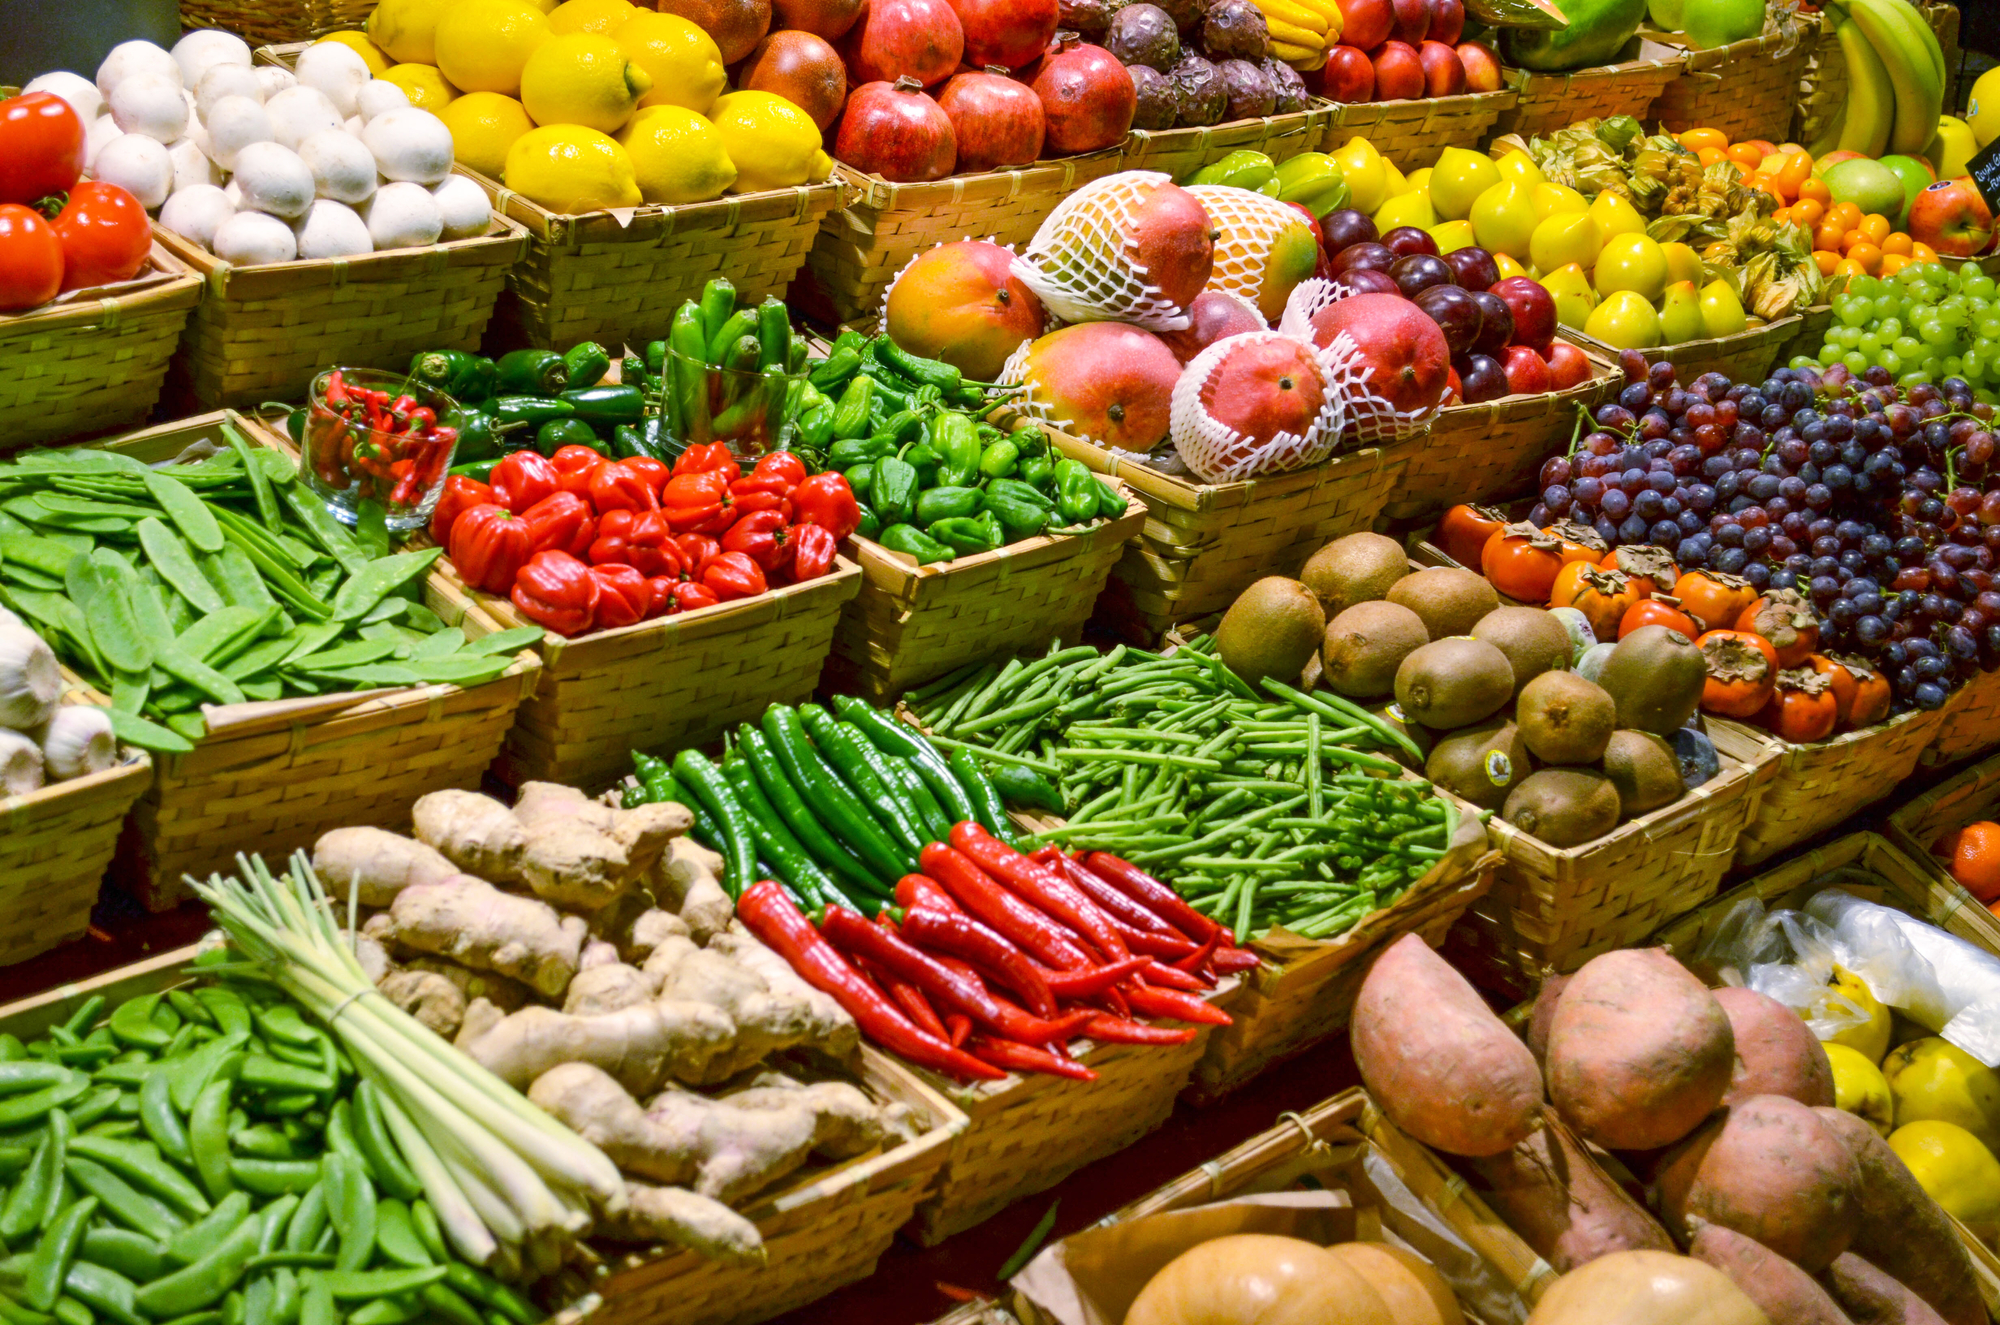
{"x":1972,"y":855}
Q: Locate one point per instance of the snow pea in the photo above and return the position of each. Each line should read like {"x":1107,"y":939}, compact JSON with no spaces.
{"x":204,"y":1282}
{"x":350,"y":1204}
{"x":308,"y":1220}
{"x":208,"y":1138}
{"x":133,"y":1255}
{"x":124,"y":1202}
{"x":139,"y":1163}
{"x":54,"y":1251}
{"x":109,"y":1294}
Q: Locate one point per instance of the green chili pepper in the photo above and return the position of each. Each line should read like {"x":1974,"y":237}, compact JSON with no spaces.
{"x":1076,"y":491}
{"x":870,"y":524}
{"x":1020,"y":491}
{"x":924,"y":372}
{"x":1025,"y":787}
{"x":531,"y":410}
{"x":832,"y":372}
{"x":910,"y":540}
{"x":861,"y":478}
{"x":893,"y":492}
{"x":774,"y":334}
{"x":722,"y":340}
{"x":964,"y":535}
{"x":999,"y":458}
{"x":530,"y":372}
{"x":850,"y":416}
{"x":655,"y":357}
{"x":718,"y":297}
{"x":946,"y":503}
{"x":587,"y":362}
{"x":607,"y":404}
{"x":466,"y":377}
{"x":740,"y":356}
{"x":558,"y":433}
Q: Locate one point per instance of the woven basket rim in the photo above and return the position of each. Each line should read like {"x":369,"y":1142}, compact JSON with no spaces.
{"x":1160,"y":141}
{"x":1713,"y":346}
{"x":1190,"y":494}
{"x":168,"y":283}
{"x":1704,"y":59}
{"x":217,"y":273}
{"x":1522,"y":80}
{"x":1055,"y":174}
{"x":1459,"y":103}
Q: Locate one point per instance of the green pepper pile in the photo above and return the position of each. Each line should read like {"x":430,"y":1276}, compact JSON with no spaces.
{"x":204,"y":1156}
{"x":542,"y":400}
{"x":935,"y":480}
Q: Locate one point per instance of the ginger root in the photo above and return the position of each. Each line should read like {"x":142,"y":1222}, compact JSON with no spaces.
{"x":688,"y":881}
{"x":586,"y":1100}
{"x":640,"y":1046}
{"x":679,"y":1216}
{"x":766,"y":1021}
{"x":507,"y":995}
{"x":561,"y":845}
{"x":648,"y":930}
{"x":427,"y":996}
{"x":382,"y":863}
{"x":474,"y":832}
{"x":833,"y":1031}
{"x":475,"y":924}
{"x":608,"y":988}
{"x":596,"y":952}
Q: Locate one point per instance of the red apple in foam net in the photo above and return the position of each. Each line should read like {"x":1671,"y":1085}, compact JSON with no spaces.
{"x":1527,"y":372}
{"x":1568,"y":366}
{"x":1214,"y":315}
{"x":1402,"y":351}
{"x":1399,"y":74}
{"x":1534,"y":310}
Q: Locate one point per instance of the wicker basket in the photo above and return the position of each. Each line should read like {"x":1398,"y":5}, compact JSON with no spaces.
{"x":273,"y":776}
{"x":1971,"y":796}
{"x":1555,"y":101}
{"x":1412,"y":133}
{"x":1810,"y":789}
{"x":1181,"y":152}
{"x":1942,"y":19}
{"x":663,"y":684}
{"x":862,"y":246}
{"x":1493,"y":451}
{"x":1971,"y":723}
{"x":90,"y":365}
{"x":1328,"y":1143}
{"x":1747,"y":89}
{"x":1748,"y":356}
{"x":910,"y":623}
{"x":268,"y":21}
{"x":822,"y":1232}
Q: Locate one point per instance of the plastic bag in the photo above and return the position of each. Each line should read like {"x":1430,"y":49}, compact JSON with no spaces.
{"x":1782,"y":958}
{"x":1954,"y":986}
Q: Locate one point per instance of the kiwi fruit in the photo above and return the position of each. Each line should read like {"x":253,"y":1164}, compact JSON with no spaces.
{"x":1645,"y":770}
{"x":1418,"y":735}
{"x":1655,"y":674}
{"x":1566,"y":719}
{"x":1564,"y":806}
{"x":1366,"y":644}
{"x":1533,"y":640}
{"x":1480,"y":764}
{"x":1271,"y":629}
{"x":1450,"y":599}
{"x":1356,"y":569}
{"x":1452,"y":682}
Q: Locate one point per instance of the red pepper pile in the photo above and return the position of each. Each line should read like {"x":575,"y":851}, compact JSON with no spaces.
{"x":382,"y":448}
{"x":585,"y":543}
{"x":1001,"y":958}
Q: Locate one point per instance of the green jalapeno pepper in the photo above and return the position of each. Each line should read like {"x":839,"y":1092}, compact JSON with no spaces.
{"x":530,"y":372}
{"x":586,"y":362}
{"x":607,"y":404}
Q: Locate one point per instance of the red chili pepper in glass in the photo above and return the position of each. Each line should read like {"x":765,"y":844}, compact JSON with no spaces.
{"x":613,"y":543}
{"x":732,"y":575}
{"x":563,"y":521}
{"x":654,"y":472}
{"x":624,"y":596}
{"x":763,"y":537}
{"x":813,"y":550}
{"x":336,"y":390}
{"x":687,"y":596}
{"x":523,"y":479}
{"x":616,"y":488}
{"x":827,"y":501}
{"x":697,"y":550}
{"x":575,"y":467}
{"x":698,"y":503}
{"x":557,"y":591}
{"x":489,"y":545}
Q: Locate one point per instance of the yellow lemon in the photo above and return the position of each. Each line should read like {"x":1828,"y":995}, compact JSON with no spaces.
{"x":1631,"y":262}
{"x":1615,"y":216}
{"x":1453,"y":235}
{"x":1858,"y":1087}
{"x":1508,"y":267}
{"x":1959,"y":1173}
{"x":404,"y":29}
{"x":1722,"y":315}
{"x":677,"y":155}
{"x":684,"y":62}
{"x":1570,"y":287}
{"x":423,"y":85}
{"x":1933,"y":1079}
{"x":582,"y":79}
{"x":1504,"y":218}
{"x":568,"y":168}
{"x":1393,"y":179}
{"x":1982,"y":112}
{"x":1553,"y":198}
{"x":1624,"y":321}
{"x":378,"y":63}
{"x":483,"y":126}
{"x":1366,"y":173}
{"x":773,"y":143}
{"x":1872,"y":1036}
{"x":1416,"y":180}
{"x":603,"y":17}
{"x":1460,"y":176}
{"x":1520,"y":166}
{"x":483,"y":44}
{"x":1680,"y":313}
{"x":1683,"y":263}
{"x":1563,"y":239}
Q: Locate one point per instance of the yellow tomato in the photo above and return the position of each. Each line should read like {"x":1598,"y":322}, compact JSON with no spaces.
{"x":1893,"y":263}
{"x":1922,"y":252}
{"x":1808,"y":212}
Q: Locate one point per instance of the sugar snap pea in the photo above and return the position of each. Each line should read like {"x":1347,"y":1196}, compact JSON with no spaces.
{"x":54,"y":1251}
{"x":139,"y":1163}
{"x":350,"y":1205}
{"x":204,"y":1282}
{"x":260,"y":479}
{"x":133,"y":1255}
{"x":188,"y":511}
{"x":124,"y":1202}
{"x":208,"y":1138}
{"x":170,"y":558}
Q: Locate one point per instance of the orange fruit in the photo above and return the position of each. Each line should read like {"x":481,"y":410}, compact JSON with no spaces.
{"x":1746,"y":154}
{"x":1876,"y":226}
{"x":1972,"y":854}
{"x":1827,"y":261}
{"x":1893,"y":263}
{"x":1783,"y":214}
{"x":1808,"y":212}
{"x":1849,"y":267}
{"x":1853,"y":237}
{"x":1815,"y":189}
{"x":1921,"y":252}
{"x":1792,"y":171}
{"x":1845,"y":215}
{"x":1868,"y":255}
{"x":1897,"y":244}
{"x":1696,"y":139}
{"x":1708,"y":156}
{"x":1828,"y":235}
{"x":1770,"y":186}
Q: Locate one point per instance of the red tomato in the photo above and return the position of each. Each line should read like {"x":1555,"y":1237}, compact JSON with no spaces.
{"x":105,"y":235}
{"x":31,"y":260}
{"x":41,"y":147}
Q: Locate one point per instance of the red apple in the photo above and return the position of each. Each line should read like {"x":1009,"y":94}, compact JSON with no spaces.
{"x":1447,"y":21}
{"x":1527,"y":372}
{"x":1482,"y":67}
{"x":1952,"y":218}
{"x":1413,"y":20}
{"x":1568,"y":366}
{"x":1348,"y":75}
{"x":1365,"y":23}
{"x":1534,"y":310}
{"x":1399,"y":74}
{"x":1444,"y":76}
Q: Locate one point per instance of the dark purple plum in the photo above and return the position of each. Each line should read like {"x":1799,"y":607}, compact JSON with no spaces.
{"x":1457,"y":314}
{"x":1373,"y":256}
{"x":1474,"y":267}
{"x":1407,"y":239}
{"x":1497,"y":330}
{"x":1365,"y":280}
{"x":1416,"y":272}
{"x":1483,"y":378}
{"x":1346,"y":228}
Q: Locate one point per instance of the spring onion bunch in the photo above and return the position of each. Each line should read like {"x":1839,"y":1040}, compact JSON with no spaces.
{"x":511,"y":1186}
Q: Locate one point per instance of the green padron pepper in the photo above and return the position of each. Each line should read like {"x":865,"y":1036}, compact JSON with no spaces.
{"x":1020,"y":491}
{"x":850,"y":416}
{"x":920,"y":457}
{"x":956,"y":440}
{"x":966,"y":535}
{"x":870,"y":523}
{"x":816,"y":426}
{"x":861,"y":478}
{"x":1076,"y":492}
{"x":1031,"y":441}
{"x":1021,"y":519}
{"x":1038,"y":470}
{"x":999,"y":459}
{"x":558,"y":433}
{"x":912,"y":541}
{"x":851,"y":452}
{"x":936,"y":504}
{"x":1109,"y":504}
{"x":893,"y":493}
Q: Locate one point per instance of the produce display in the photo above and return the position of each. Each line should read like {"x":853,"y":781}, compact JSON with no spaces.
{"x":1199,"y":64}
{"x":43,"y":741}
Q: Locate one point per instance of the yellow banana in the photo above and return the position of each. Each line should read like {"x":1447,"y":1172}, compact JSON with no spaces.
{"x":1293,"y":35}
{"x":1871,"y":100}
{"x":1921,"y":35}
{"x":1919,"y":89}
{"x":1288,"y":11}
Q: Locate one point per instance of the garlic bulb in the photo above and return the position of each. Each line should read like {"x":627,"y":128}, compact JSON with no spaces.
{"x":20,"y":764}
{"x":79,"y":740}
{"x":30,"y":680}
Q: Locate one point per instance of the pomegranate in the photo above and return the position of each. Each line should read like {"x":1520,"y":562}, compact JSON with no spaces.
{"x":1087,"y":97}
{"x":828,"y":20}
{"x":1214,"y":315}
{"x":896,"y":131}
{"x":1402,"y":351}
{"x":1008,"y":33}
{"x":894,"y":39}
{"x":736,"y":25}
{"x":801,"y":68}
{"x":1106,"y":381}
{"x":961,"y":303}
{"x":998,"y":121}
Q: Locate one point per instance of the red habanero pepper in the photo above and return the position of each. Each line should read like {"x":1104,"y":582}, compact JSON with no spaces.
{"x":557,"y":591}
{"x":763,"y":537}
{"x":687,"y":596}
{"x":460,"y":494}
{"x":624,"y":596}
{"x":961,"y":1029}
{"x":697,"y":550}
{"x":649,"y":545}
{"x":731,"y":575}
{"x":489,"y":545}
{"x":698,"y":503}
{"x":774,"y":919}
{"x":1030,"y":930}
{"x":663,"y":594}
{"x":827,"y":501}
{"x":812,"y":552}
{"x":613,"y":541}
{"x":752,"y":500}
{"x":523,"y":479}
{"x":1150,"y":893}
{"x":1094,"y":981}
{"x":711,"y":459}
{"x":562,"y":521}
{"x":847,"y":931}
{"x":653,"y":471}
{"x":952,"y":932}
{"x":1118,"y":1030}
{"x":1046,"y":888}
{"x":577,"y":467}
{"x":1173,"y":1003}
{"x":780,"y":466}
{"x":1026,"y":1058}
{"x":616,"y":488}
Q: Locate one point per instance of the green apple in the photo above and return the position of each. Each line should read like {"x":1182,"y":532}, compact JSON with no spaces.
{"x":1712,"y":23}
{"x":1915,"y":176}
{"x":1868,"y":184}
{"x":1666,"y":14}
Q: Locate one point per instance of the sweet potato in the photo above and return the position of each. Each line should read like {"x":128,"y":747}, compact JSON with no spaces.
{"x":1776,"y":1052}
{"x":1902,"y":1230}
{"x":1550,"y":1191}
{"x":1639,"y":1051}
{"x":1441,"y":1065}
{"x":1873,"y":1297}
{"x":1544,"y":1014}
{"x":1788,"y":1295}
{"x":1771,"y":1170}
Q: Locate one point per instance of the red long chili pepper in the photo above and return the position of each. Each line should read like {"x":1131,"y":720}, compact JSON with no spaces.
{"x":1150,"y":893}
{"x":1194,"y":961}
{"x":1229,"y":961}
{"x":1115,"y":904}
{"x":914,"y":890}
{"x":1170,"y":977}
{"x":1030,"y":930}
{"x":1168,"y":945}
{"x":1120,"y":1030}
{"x":1097,"y":980}
{"x":1047,"y":888}
{"x":1027,"y":1058}
{"x":961,"y":936}
{"x":911,"y":1000}
{"x":961,"y":1029}
{"x":847,"y":930}
{"x":772,"y":917}
{"x":1173,"y":1003}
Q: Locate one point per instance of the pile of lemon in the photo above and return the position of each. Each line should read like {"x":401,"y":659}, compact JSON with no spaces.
{"x":588,"y":104}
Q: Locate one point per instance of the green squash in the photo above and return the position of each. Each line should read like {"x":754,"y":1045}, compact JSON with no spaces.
{"x":1597,"y":30}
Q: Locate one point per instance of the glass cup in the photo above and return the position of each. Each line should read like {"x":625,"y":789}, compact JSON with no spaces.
{"x":379,"y":437}
{"x":745,"y":410}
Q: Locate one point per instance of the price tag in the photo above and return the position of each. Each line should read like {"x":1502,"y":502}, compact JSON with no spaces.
{"x":1985,"y":171}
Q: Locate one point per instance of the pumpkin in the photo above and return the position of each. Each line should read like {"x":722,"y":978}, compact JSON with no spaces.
{"x":1646,"y":1288}
{"x":1257,"y":1279}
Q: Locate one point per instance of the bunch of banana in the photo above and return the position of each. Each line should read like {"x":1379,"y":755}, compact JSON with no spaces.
{"x":1301,"y":30}
{"x":1895,"y":74}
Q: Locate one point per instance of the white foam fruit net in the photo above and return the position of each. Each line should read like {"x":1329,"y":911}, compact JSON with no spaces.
{"x":1246,"y":224}
{"x":1220,"y":454}
{"x":1370,"y":419}
{"x":1080,"y":263}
